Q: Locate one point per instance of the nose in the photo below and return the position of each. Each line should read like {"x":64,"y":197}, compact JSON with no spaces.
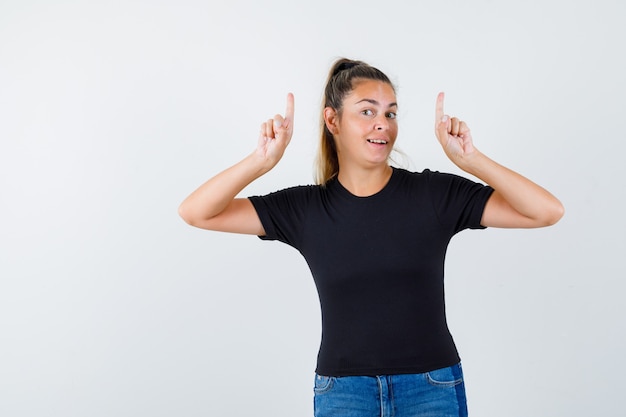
{"x":382,"y":123}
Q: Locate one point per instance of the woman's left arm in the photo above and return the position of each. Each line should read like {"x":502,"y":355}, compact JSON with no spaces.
{"x":517,"y":202}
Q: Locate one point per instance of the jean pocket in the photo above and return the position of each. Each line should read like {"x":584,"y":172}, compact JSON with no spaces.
{"x":445,"y":377}
{"x":323,"y":383}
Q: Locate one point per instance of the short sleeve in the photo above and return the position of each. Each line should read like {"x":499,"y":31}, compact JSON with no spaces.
{"x":282,"y":213}
{"x":457,"y":201}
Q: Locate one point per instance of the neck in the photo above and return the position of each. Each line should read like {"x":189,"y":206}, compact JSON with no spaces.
{"x":365,"y":182}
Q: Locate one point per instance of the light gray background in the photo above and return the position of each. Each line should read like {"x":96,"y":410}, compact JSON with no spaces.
{"x":111,"y":112}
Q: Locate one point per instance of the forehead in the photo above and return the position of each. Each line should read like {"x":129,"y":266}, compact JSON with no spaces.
{"x":379,"y":91}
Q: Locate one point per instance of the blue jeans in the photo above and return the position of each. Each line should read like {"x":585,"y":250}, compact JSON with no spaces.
{"x":440,"y":393}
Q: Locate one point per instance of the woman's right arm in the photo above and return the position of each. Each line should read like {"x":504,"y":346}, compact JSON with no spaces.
{"x":214,"y":206}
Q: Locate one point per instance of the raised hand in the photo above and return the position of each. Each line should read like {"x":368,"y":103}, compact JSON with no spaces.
{"x":276,"y":134}
{"x":453,"y":134}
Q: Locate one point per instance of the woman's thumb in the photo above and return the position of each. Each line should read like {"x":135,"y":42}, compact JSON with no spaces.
{"x":278,"y":122}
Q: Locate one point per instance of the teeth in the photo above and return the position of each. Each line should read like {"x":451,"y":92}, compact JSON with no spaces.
{"x":377,"y":141}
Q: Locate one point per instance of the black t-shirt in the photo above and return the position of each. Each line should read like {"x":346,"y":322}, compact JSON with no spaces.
{"x":378,"y":265}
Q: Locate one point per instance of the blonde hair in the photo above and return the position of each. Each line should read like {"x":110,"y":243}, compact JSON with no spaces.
{"x":340,"y":82}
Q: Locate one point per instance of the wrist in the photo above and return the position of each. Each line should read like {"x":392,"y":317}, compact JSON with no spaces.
{"x":472,"y":162}
{"x":257,"y":164}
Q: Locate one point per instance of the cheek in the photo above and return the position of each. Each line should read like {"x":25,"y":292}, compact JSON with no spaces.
{"x":394,"y":129}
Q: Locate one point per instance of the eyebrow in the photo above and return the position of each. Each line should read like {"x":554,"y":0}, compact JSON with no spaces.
{"x":376,"y":103}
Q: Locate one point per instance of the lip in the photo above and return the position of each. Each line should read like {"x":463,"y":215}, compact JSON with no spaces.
{"x":378,"y":141}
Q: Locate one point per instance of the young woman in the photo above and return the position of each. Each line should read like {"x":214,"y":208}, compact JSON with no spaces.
{"x":375,"y":238}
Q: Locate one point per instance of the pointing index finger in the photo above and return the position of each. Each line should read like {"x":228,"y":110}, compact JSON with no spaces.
{"x":439,"y":108}
{"x":289,"y":110}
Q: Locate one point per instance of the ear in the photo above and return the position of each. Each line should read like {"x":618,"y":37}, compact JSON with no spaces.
{"x":331,"y":119}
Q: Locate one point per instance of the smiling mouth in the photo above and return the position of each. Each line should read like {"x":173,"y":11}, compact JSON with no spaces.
{"x":378,"y":141}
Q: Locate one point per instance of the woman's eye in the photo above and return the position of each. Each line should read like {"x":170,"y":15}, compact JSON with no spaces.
{"x":367,"y":112}
{"x":392,"y":115}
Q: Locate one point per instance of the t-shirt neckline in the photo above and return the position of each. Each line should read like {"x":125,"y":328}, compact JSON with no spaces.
{"x":344,"y":191}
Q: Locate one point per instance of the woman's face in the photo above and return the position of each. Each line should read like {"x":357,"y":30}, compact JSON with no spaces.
{"x":366,"y":129}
